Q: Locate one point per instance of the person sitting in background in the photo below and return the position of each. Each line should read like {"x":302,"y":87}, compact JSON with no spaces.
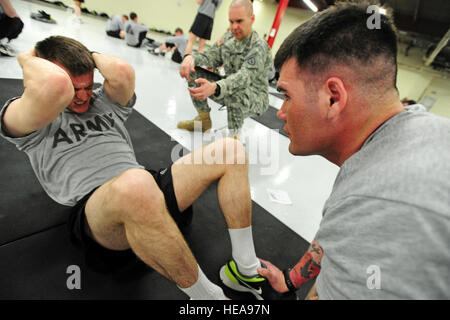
{"x":408,"y":102}
{"x":177,"y":44}
{"x":134,"y":32}
{"x":115,"y":27}
{"x":10,"y":27}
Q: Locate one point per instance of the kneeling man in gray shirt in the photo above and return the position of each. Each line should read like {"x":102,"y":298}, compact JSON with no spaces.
{"x":385,"y":230}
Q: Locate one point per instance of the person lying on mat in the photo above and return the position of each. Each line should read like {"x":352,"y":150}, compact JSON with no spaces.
{"x":385,"y":227}
{"x":82,"y":155}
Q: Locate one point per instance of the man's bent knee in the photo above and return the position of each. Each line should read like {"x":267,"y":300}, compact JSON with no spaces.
{"x":223,"y":152}
{"x":136,"y":195}
{"x":234,"y":152}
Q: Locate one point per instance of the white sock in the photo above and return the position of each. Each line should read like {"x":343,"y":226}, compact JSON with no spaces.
{"x":203,"y":289}
{"x":243,"y":251}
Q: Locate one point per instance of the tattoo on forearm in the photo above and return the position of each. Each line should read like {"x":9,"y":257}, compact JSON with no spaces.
{"x":308,"y":267}
{"x":315,"y":248}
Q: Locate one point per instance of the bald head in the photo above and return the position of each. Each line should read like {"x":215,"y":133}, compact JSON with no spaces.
{"x":241,"y":18}
{"x":247,"y":4}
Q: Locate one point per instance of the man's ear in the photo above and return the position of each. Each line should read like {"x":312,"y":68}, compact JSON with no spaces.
{"x":337,"y":94}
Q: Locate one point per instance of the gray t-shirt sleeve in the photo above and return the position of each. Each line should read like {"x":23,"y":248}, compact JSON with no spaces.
{"x":22,"y":143}
{"x":101,"y":97}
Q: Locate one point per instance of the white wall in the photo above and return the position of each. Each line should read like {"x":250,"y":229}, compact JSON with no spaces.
{"x":439,"y":89}
{"x":170,"y":14}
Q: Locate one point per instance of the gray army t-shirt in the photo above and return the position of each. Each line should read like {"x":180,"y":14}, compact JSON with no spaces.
{"x":132,"y":32}
{"x":385,"y":231}
{"x":78,"y":152}
{"x":115,"y":23}
{"x":179,"y":41}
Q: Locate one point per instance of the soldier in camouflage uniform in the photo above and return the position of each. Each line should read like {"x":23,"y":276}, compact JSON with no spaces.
{"x":246,"y":58}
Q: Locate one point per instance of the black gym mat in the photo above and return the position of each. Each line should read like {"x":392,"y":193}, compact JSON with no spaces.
{"x":35,"y":250}
{"x":24,"y":206}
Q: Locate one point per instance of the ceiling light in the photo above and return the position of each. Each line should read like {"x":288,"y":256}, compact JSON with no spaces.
{"x":311,"y":5}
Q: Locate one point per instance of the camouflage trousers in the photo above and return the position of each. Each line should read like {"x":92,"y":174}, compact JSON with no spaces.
{"x":240,"y":105}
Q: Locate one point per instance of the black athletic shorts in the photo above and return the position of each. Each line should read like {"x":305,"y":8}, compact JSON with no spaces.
{"x":10,"y":27}
{"x":176,"y":56}
{"x":115,"y":34}
{"x":202,"y":26}
{"x":104,"y":260}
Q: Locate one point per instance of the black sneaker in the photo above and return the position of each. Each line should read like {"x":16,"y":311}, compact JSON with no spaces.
{"x":152,"y":51}
{"x":6,"y":50}
{"x":42,"y":16}
{"x":233,"y":279}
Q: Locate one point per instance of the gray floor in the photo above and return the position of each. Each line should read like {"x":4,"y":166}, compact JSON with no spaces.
{"x":164,"y":100}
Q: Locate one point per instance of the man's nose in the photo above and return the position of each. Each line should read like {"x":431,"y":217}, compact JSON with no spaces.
{"x":81,"y":94}
{"x":281,"y":114}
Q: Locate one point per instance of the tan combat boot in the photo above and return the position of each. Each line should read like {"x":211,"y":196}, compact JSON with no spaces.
{"x":202,"y":117}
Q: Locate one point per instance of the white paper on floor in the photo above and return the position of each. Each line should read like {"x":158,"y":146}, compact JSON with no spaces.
{"x":279,"y":196}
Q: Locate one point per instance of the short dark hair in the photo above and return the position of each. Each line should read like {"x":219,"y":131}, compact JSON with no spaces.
{"x":133,"y":15}
{"x":70,"y":53}
{"x":340,"y":35}
{"x":125,"y":16}
{"x":178,"y":30}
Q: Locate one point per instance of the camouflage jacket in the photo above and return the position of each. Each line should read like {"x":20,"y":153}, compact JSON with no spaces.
{"x":246,"y":63}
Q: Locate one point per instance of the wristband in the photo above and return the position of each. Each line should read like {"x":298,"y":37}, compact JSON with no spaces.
{"x":217,"y":91}
{"x":187,"y":54}
{"x":288,"y":281}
